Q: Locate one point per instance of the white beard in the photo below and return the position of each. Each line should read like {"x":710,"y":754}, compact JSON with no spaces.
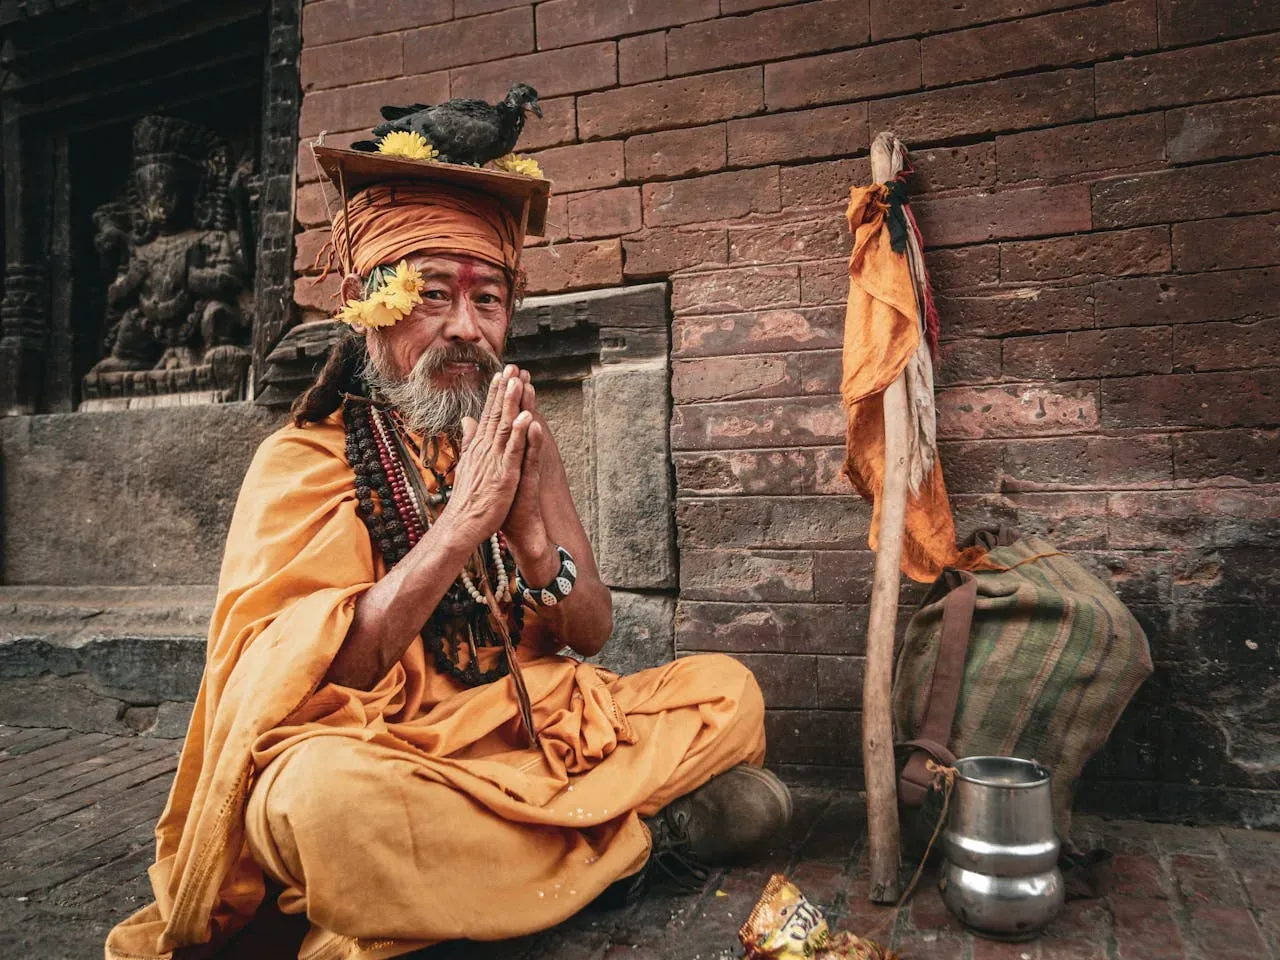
{"x":427,"y":409}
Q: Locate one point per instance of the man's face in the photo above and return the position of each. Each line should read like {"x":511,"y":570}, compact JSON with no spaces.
{"x":434,"y":365}
{"x":464,"y":302}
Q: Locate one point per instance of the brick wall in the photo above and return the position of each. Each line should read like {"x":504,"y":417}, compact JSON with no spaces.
{"x":1097,"y":183}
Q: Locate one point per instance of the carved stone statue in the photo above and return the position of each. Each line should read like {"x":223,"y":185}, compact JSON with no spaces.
{"x":179,"y":306}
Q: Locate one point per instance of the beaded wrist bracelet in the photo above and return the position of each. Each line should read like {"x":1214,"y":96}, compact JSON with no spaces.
{"x":561,"y":584}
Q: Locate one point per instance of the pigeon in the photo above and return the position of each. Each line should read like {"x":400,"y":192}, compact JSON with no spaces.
{"x":465,"y":131}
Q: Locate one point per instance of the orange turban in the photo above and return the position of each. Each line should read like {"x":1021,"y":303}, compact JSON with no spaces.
{"x":387,"y":222}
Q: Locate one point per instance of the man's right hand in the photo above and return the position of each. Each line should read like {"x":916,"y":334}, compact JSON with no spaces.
{"x":488,"y":470}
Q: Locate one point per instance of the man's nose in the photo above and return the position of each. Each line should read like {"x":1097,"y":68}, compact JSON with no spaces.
{"x":462,"y":323}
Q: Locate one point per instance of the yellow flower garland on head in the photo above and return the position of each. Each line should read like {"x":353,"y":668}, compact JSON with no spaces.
{"x":398,"y":292}
{"x":407,"y":143}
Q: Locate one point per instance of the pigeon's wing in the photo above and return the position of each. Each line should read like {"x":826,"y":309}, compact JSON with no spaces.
{"x":395,"y":113}
{"x":382,"y":129}
{"x":368,"y":146}
{"x":462,"y":130}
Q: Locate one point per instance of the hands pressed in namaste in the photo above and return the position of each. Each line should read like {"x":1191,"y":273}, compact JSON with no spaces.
{"x":497,"y":479}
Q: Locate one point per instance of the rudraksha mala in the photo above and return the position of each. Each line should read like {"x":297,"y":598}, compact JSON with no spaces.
{"x":387,"y":505}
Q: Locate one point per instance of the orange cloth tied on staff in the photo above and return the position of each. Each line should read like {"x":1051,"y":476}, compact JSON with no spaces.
{"x":881,"y":334}
{"x":387,"y":222}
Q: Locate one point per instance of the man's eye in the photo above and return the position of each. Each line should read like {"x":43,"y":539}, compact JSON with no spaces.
{"x":486,"y":298}
{"x":434,"y":295}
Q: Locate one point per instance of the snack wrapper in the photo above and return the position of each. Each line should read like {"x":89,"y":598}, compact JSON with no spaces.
{"x":783,"y":925}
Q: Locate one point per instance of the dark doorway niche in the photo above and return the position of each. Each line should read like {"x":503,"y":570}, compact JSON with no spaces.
{"x":76,"y":77}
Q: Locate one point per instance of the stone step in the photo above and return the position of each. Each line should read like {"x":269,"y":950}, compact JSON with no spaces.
{"x":115,"y":660}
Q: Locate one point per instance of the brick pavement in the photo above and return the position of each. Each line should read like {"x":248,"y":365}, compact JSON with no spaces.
{"x":77,"y":811}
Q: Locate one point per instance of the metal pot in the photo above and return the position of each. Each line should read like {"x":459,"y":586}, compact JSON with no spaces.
{"x":1001,"y":872}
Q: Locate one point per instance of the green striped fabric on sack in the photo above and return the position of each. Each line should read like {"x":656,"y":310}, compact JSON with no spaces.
{"x":1053,"y":659}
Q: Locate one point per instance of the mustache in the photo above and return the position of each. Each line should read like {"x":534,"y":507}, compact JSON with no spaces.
{"x":433,"y":361}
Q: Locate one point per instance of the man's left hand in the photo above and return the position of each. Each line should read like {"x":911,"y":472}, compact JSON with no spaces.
{"x":525,"y":528}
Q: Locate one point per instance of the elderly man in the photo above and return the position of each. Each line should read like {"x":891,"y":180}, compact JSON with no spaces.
{"x":387,"y":729}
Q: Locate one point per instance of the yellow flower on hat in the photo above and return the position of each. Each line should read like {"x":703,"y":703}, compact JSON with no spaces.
{"x":409,"y":144}
{"x":514,"y":163}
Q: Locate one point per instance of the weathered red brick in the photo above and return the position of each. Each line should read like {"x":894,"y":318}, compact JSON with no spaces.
{"x":1236,"y":399}
{"x":823,"y":184}
{"x":1226,"y":346}
{"x":772,"y":522}
{"x":1018,"y":310}
{"x":1194,"y":21}
{"x":1252,"y":455}
{"x":353,"y":61}
{"x":794,"y":422}
{"x":471,"y":8}
{"x":972,"y":466}
{"x":802,"y":135}
{"x":552,"y":73}
{"x":331,"y":21}
{"x":1017,"y":212}
{"x":807,"y":373}
{"x":583,"y":166}
{"x":718,"y":196}
{"x":562,"y":23}
{"x":307,"y":247}
{"x":573,"y":266}
{"x":312,"y":293}
{"x":305,"y":166}
{"x":1093,"y":256}
{"x":676,"y":153}
{"x":1187,"y":298}
{"x":557,"y":223}
{"x":769,"y":331}
{"x":604,"y":213}
{"x":824,"y":281}
{"x":994,"y":106}
{"x":1226,"y":931}
{"x":731,"y":472}
{"x":788,"y":242}
{"x":1121,"y":352}
{"x":746,"y":6}
{"x":1081,"y":148}
{"x":1087,"y":461}
{"x":661,"y":253}
{"x":1053,"y":40}
{"x":961,"y":268}
{"x":669,"y":103}
{"x":493,"y":36}
{"x":1227,"y":242}
{"x":1237,"y":68}
{"x":760,"y":628}
{"x":746,"y":575}
{"x":356,"y":107}
{"x":890,"y":18}
{"x":1018,"y":410}
{"x":967,"y":361}
{"x":1144,"y":928}
{"x":824,"y":738}
{"x":1188,"y":193}
{"x":558,"y":125}
{"x":735,"y":290}
{"x":642,"y":58}
{"x":767,"y":35}
{"x":860,"y":74}
{"x":1234,"y":129}
{"x":1073,"y":521}
{"x":309,"y":204}
{"x":950,"y":168}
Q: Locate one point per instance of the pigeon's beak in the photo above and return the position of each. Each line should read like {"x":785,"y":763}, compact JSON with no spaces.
{"x":537,"y":110}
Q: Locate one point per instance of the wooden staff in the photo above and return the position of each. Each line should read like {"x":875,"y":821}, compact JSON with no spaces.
{"x":878,"y":764}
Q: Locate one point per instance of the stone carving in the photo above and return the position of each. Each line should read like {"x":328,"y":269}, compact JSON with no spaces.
{"x":179,"y":306}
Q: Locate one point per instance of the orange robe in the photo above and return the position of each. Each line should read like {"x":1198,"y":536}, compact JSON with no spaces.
{"x":412,"y":812}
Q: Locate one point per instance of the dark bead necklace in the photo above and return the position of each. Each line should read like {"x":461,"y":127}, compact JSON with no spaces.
{"x":387,"y":504}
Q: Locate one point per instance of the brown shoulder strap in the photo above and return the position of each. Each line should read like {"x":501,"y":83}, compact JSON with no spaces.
{"x":944,"y":694}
